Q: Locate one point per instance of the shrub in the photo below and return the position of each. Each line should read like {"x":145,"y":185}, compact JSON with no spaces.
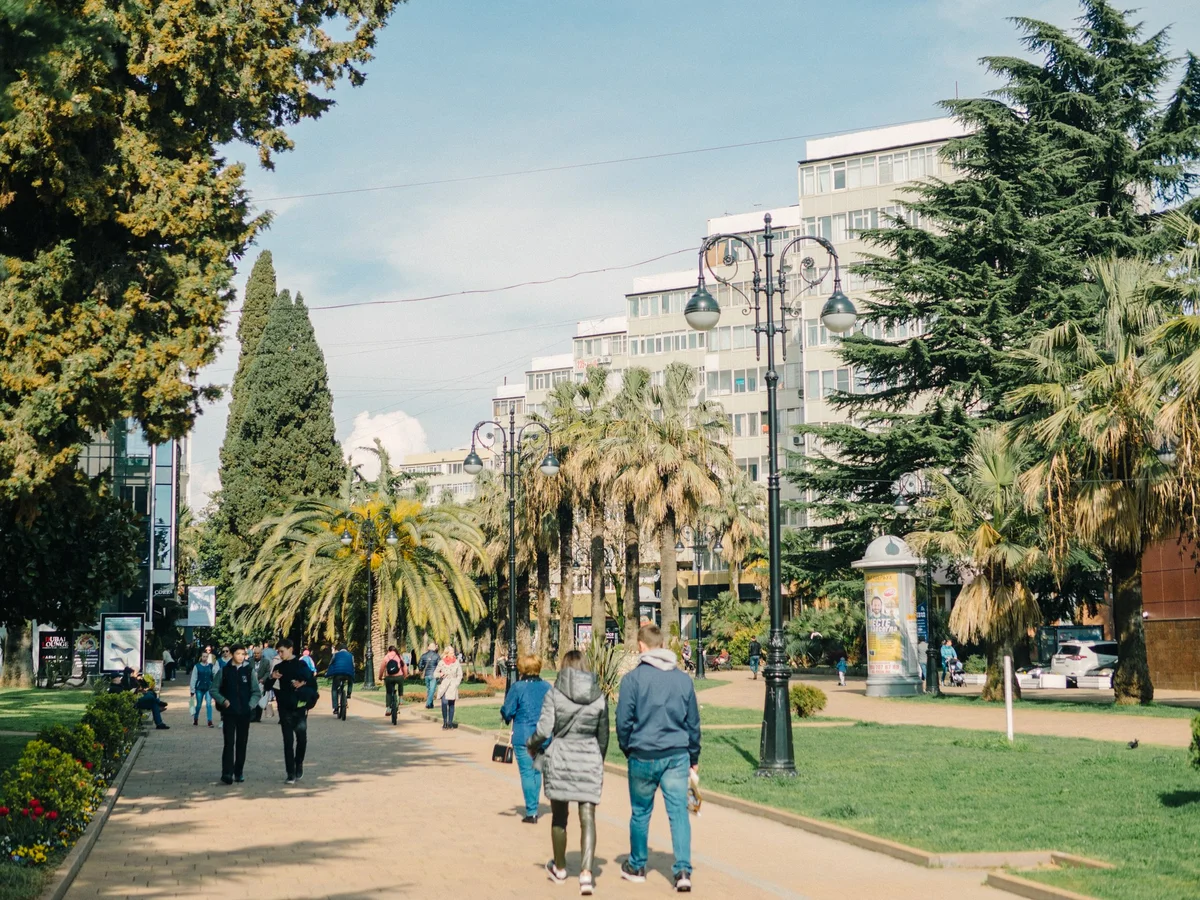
{"x":806,"y":700}
{"x":79,"y":743}
{"x":48,"y":798}
{"x":1194,"y":750}
{"x":123,"y":705}
{"x":975,"y":665}
{"x":606,"y":662}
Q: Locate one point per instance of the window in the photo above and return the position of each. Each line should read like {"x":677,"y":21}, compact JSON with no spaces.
{"x":813,"y":388}
{"x":827,"y":382}
{"x":791,"y":376}
{"x":723,"y":338}
{"x":860,"y":172}
{"x":740,"y":336}
{"x":643,"y":307}
{"x":654,"y":305}
{"x":861,"y":385}
{"x":658,"y":343}
{"x":529,"y":382}
{"x":634,"y":347}
{"x":863,"y":218}
{"x":633,"y":307}
{"x":839,"y":229}
{"x":726,"y":382}
{"x":816,"y":334}
{"x":808,"y":181}
{"x":714,"y":383}
{"x":839,"y":176}
{"x":843,"y":380}
{"x":825,"y":227}
{"x":745,"y":381}
{"x":822,"y":179}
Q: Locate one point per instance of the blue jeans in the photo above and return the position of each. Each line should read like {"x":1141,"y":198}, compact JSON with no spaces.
{"x":201,"y":697}
{"x":531,"y":779}
{"x":149,"y":702}
{"x":645,"y":777}
{"x":430,"y":685}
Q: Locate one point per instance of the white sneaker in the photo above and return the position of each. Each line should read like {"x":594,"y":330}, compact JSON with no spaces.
{"x":557,"y":875}
{"x":586,"y":885}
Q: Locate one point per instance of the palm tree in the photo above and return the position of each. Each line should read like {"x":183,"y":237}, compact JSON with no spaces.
{"x":682,"y":464}
{"x":1093,"y":419}
{"x":423,"y":585}
{"x":740,"y":517}
{"x":987,"y":530}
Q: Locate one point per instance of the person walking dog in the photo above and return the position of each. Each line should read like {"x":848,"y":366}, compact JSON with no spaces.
{"x":522,"y":708}
{"x":658,"y":730}
{"x":236,"y":693}
{"x":574,"y":720}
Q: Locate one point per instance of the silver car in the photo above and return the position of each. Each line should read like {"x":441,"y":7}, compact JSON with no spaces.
{"x":1080,"y":657}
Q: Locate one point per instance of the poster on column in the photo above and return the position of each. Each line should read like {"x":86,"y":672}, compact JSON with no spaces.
{"x":885,"y":642}
{"x":122,"y":640}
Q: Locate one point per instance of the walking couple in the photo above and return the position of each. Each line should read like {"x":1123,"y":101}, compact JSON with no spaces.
{"x":560,"y":738}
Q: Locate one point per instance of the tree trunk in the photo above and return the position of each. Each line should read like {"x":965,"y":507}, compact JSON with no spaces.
{"x":1131,"y":680}
{"x":18,"y":657}
{"x":566,"y":594}
{"x":993,"y":688}
{"x":376,"y":628}
{"x":633,"y":566}
{"x":543,"y":605}
{"x":669,"y":578}
{"x":735,"y":575}
{"x":525,"y":604}
{"x":501,"y":639}
{"x":596,"y":521}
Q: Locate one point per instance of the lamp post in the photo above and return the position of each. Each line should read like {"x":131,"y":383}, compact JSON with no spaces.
{"x":367,"y":527}
{"x":913,"y":486}
{"x":777,"y":755}
{"x":700,"y":538}
{"x":511,"y":447}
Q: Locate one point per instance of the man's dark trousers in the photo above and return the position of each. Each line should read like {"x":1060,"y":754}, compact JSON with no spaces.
{"x":236,"y":730}
{"x":294,"y":726}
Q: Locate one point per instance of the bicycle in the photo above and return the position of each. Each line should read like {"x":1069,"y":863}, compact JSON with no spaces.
{"x":395,"y":690}
{"x":340,"y":699}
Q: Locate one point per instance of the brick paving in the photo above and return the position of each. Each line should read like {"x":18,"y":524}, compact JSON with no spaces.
{"x":412,"y":811}
{"x":851,"y":702}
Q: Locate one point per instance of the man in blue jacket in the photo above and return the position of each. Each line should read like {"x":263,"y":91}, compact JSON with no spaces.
{"x":428,"y":664}
{"x":658,"y":729}
{"x":341,"y":668}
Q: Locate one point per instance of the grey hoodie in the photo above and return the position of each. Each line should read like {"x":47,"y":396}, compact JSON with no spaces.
{"x":575,"y":720}
{"x":657,"y":715}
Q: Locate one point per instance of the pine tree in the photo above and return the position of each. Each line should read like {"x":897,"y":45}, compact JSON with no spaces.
{"x":284,"y":446}
{"x":260,"y":296}
{"x":1053,"y":171}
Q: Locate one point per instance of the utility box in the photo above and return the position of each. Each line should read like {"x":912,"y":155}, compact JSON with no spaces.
{"x":889,"y":568}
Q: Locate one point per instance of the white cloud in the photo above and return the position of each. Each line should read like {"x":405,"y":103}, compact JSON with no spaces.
{"x":399,"y":433}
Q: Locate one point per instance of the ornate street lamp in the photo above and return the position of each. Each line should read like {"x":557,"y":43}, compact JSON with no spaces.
{"x":367,"y":528}
{"x":700,"y":538}
{"x":777,"y":755}
{"x":511,"y":445}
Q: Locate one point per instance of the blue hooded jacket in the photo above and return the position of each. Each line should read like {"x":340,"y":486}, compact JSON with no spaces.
{"x":522,"y":707}
{"x":341,"y":664}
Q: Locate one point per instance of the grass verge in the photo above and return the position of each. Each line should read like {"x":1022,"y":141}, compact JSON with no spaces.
{"x":32,"y":709}
{"x":22,"y":883}
{"x":945,"y":790}
{"x":1033,"y":701}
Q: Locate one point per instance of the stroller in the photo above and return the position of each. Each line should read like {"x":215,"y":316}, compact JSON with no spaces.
{"x":954,"y":669}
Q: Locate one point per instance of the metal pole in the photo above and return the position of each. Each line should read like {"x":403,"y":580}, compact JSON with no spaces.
{"x":777,"y":754}
{"x":511,"y":455}
{"x":932,"y":656}
{"x":369,"y":675}
{"x":699,"y":607}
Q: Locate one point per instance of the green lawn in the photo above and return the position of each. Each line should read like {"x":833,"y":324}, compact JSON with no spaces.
{"x":1033,"y":701}
{"x":11,"y":747}
{"x":21,"y":883}
{"x":488,"y":716}
{"x":947,"y":790}
{"x":32,"y":709}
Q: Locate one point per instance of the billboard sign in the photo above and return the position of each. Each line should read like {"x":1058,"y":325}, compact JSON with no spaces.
{"x":202,"y":607}
{"x":122,"y":641}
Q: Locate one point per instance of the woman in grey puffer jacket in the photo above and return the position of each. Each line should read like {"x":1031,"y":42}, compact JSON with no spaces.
{"x":575,"y":721}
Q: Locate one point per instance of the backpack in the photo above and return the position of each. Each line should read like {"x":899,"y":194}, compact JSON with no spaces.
{"x":392,"y":667}
{"x":204,"y":679}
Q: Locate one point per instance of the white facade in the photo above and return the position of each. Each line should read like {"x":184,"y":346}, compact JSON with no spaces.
{"x":443,"y":471}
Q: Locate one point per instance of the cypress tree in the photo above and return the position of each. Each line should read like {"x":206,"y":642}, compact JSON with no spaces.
{"x":256,"y":306}
{"x":1057,"y":168}
{"x":284,"y":446}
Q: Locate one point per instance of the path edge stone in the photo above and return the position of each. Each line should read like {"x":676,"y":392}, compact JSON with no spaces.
{"x":64,"y":876}
{"x":1003,"y":881}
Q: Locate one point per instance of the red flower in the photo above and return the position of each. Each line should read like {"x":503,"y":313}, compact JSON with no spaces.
{"x":25,"y":812}
{"x":3,"y":810}
{"x":36,"y":813}
{"x":34,"y":801}
{"x":52,"y":815}
{"x":88,"y":766}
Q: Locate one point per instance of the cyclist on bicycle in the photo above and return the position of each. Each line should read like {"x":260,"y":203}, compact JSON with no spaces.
{"x":341,"y":671}
{"x":392,"y":672}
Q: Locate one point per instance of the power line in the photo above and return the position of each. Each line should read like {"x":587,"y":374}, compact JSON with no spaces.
{"x":541,"y":170}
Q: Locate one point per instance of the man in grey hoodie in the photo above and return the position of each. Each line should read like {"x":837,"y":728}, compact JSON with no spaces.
{"x":658,"y":730}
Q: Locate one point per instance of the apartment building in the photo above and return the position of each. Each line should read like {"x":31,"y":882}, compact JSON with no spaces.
{"x":543,"y":374}
{"x":442,"y":471}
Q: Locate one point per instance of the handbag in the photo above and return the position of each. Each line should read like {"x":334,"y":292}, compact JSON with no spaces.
{"x":265,"y":700}
{"x":502,"y":750}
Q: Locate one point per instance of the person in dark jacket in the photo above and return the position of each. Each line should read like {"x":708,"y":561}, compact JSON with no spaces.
{"x":428,"y":664}
{"x":295,"y":688}
{"x":658,"y":730}
{"x":236,"y":692}
{"x":574,"y":720}
{"x":340,"y":671}
{"x":521,"y":709}
{"x":755,"y":656}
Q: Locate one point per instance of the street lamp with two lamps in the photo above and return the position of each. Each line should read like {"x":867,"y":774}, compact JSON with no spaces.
{"x":511,"y":445}
{"x":777,"y":754}
{"x":368,"y":526}
{"x":700,"y":537}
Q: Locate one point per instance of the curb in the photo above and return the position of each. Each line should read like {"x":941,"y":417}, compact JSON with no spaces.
{"x":1002,"y":881}
{"x":58,"y":886}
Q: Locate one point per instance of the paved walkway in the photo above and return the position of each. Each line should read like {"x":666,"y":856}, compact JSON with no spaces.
{"x":851,"y":702}
{"x":412,"y":811}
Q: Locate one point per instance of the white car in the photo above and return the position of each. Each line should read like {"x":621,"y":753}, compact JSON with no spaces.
{"x":1080,"y":657}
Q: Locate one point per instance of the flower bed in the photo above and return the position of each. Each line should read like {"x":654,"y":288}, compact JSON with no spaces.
{"x":48,"y":797}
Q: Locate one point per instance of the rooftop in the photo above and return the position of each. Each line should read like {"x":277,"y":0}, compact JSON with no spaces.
{"x":742,"y":223}
{"x":605,"y":325}
{"x":909,"y":133}
{"x":557,"y":361}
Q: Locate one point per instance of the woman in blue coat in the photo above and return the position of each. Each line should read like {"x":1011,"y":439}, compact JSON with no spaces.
{"x":521,"y":709}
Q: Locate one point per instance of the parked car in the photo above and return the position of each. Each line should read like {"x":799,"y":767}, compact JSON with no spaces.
{"x":1081,"y":657}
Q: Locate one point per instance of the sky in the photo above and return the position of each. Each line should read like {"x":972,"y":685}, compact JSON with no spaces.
{"x":467,"y":88}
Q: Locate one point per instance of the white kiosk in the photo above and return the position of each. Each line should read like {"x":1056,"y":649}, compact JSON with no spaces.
{"x":890,"y":568}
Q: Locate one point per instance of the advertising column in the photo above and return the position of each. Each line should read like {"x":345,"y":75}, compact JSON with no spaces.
{"x":889,"y":575}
